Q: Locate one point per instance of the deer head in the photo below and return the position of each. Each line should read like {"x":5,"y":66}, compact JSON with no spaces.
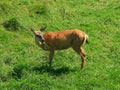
{"x":39,"y":35}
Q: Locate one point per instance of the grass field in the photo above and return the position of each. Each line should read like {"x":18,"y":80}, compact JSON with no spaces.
{"x":24,"y":66}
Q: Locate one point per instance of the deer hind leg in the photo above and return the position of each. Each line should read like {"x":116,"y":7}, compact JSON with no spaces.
{"x":83,"y":56}
{"x":50,"y":58}
{"x":81,"y":52}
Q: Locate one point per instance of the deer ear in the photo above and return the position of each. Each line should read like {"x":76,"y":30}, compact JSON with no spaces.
{"x":43,"y":28}
{"x":33,"y":30}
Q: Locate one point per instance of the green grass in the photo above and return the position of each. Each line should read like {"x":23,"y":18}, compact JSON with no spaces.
{"x":24,"y":66}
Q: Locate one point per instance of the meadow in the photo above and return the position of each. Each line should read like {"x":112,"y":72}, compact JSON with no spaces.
{"x":24,"y":66}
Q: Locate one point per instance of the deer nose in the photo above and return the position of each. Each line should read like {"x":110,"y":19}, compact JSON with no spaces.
{"x":43,"y":40}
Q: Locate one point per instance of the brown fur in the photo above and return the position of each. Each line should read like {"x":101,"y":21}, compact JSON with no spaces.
{"x":62,"y":40}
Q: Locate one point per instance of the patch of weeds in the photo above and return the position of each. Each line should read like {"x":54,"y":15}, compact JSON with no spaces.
{"x":66,"y":12}
{"x":13,"y":25}
{"x":5,"y":72}
{"x":5,"y":8}
{"x":18,"y":70}
{"x":39,"y":9}
{"x":8,"y":60}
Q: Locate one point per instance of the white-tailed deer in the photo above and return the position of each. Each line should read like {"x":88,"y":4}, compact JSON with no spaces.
{"x":60,"y":40}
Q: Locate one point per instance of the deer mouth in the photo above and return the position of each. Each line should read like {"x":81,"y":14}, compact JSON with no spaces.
{"x":42,"y":41}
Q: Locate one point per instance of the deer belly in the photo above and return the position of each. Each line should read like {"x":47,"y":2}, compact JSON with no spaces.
{"x":61,"y":46}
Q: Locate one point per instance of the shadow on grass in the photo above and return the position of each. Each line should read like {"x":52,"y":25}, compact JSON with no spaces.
{"x":57,"y":71}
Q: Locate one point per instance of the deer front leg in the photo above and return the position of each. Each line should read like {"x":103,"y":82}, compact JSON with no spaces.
{"x":51,"y":57}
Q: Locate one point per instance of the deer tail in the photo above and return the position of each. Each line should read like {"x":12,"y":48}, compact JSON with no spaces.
{"x":86,"y":39}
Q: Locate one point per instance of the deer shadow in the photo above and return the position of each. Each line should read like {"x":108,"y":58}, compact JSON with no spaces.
{"x":57,"y":72}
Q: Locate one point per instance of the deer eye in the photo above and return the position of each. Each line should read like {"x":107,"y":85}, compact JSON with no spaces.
{"x":40,"y":38}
